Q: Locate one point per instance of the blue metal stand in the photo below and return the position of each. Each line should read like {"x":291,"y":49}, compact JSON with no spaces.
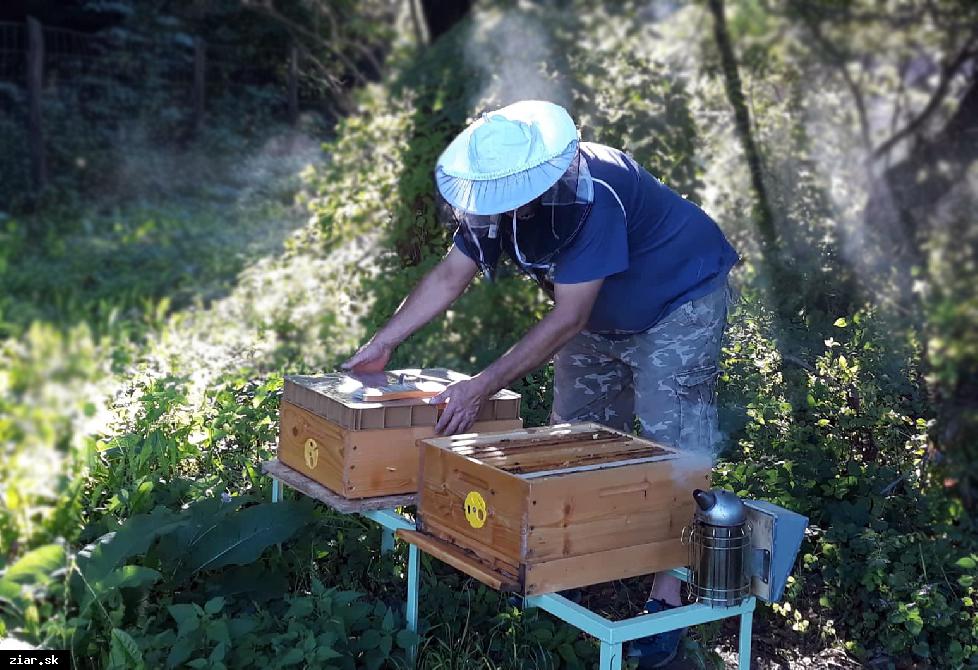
{"x":613,"y":634}
{"x":390,"y":521}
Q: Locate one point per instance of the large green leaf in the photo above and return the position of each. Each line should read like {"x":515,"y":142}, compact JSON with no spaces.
{"x":201,"y":518}
{"x":252,"y":581}
{"x":181,"y":650}
{"x":35,"y":567}
{"x":134,"y":537}
{"x":187,"y":616}
{"x":124,"y":653}
{"x":240,"y":538}
{"x":128,"y":576}
{"x":9,"y":591}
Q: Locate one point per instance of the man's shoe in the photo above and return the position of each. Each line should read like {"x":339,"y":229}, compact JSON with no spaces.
{"x":655,"y":651}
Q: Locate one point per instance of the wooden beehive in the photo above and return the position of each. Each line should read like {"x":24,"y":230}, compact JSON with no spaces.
{"x":546,"y":509}
{"x":364,"y":449}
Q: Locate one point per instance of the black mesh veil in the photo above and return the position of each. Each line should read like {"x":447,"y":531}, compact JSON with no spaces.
{"x":535,"y":233}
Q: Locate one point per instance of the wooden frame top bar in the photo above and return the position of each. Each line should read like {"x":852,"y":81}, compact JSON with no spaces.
{"x":554,"y":450}
{"x":341,"y":387}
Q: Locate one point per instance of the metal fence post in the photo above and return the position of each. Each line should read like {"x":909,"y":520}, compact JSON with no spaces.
{"x":35,"y":86}
{"x":200,"y":82}
{"x":293,"y":84}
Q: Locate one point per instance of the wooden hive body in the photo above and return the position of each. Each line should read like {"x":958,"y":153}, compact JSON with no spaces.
{"x":366,"y":449}
{"x":565,"y":506}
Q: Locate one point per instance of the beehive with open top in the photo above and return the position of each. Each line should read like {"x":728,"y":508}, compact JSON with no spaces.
{"x":362,"y":448}
{"x":540,"y":510}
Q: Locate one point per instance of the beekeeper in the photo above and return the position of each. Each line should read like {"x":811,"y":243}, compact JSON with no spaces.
{"x":637,"y":274}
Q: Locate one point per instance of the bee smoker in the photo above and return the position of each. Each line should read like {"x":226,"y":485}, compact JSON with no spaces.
{"x":719,"y":549}
{"x":740,"y":548}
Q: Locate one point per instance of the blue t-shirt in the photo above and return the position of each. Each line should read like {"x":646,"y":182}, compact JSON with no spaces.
{"x":655,"y":250}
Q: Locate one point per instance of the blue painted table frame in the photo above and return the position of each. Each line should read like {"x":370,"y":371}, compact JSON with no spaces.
{"x":611,"y":634}
{"x":390,"y":522}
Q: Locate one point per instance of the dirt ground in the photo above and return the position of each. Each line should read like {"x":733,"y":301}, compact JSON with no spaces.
{"x":773,"y":647}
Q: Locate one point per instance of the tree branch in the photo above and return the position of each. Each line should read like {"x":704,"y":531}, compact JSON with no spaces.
{"x":840,"y":60}
{"x":268,"y":8}
{"x":355,"y":44}
{"x":948,"y":71}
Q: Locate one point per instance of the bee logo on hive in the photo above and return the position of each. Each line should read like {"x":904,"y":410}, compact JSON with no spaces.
{"x":475,"y":509}
{"x":312,"y":454}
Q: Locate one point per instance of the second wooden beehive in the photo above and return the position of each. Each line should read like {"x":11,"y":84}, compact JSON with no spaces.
{"x":546,"y":509}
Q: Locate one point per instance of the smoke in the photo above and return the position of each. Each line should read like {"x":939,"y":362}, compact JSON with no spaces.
{"x":513,"y":53}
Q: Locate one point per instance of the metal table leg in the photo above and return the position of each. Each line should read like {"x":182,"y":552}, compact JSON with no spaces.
{"x":413,"y":585}
{"x":743,"y":650}
{"x":386,"y":541}
{"x":390,"y":521}
{"x":613,"y":634}
{"x":610,"y":656}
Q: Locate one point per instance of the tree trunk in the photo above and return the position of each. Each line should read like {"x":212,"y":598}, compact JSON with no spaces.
{"x":293,"y":84}
{"x":200,"y":84}
{"x":763,"y":214}
{"x":441,"y":15}
{"x":420,"y":30}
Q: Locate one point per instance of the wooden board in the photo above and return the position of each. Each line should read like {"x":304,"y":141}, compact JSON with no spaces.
{"x":459,"y":559}
{"x":317,"y":491}
{"x":323,"y":460}
{"x":583,"y":512}
{"x":338,"y":398}
{"x":550,"y":447}
{"x":604,"y":566}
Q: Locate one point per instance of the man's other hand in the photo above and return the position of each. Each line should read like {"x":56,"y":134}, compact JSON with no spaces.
{"x":372,"y":357}
{"x":463,"y":398}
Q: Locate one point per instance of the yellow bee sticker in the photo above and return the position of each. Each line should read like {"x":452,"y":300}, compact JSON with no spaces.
{"x":475,"y":509}
{"x":312,"y":454}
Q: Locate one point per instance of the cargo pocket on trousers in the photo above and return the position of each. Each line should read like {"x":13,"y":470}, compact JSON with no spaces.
{"x":697,"y":407}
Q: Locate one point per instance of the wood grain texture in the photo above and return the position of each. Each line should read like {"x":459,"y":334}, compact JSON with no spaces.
{"x":358,"y":463}
{"x":567,"y":506}
{"x":584,"y":512}
{"x":329,"y":396}
{"x":604,"y":566}
{"x":459,"y":559}
{"x":296,"y":426}
{"x":447,"y":480}
{"x":385,"y":461}
{"x":317,"y":491}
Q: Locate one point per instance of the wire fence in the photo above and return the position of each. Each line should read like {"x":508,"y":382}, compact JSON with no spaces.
{"x":49,"y":74}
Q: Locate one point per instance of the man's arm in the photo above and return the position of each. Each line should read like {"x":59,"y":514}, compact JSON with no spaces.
{"x":432,"y":296}
{"x":572,"y":308}
{"x":573,"y":303}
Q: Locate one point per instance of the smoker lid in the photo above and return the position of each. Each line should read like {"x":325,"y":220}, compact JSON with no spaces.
{"x":718,"y":507}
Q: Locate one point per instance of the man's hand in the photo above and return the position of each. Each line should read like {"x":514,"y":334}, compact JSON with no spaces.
{"x":430,"y":297}
{"x":464,"y":399}
{"x":372,"y":357}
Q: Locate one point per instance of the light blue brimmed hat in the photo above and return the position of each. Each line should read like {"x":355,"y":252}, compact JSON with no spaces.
{"x":507,"y":158}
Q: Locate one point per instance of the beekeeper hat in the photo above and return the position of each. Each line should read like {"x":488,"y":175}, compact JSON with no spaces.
{"x":507,"y":158}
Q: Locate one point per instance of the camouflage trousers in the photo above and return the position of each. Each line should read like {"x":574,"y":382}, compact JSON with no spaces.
{"x":665,"y":376}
